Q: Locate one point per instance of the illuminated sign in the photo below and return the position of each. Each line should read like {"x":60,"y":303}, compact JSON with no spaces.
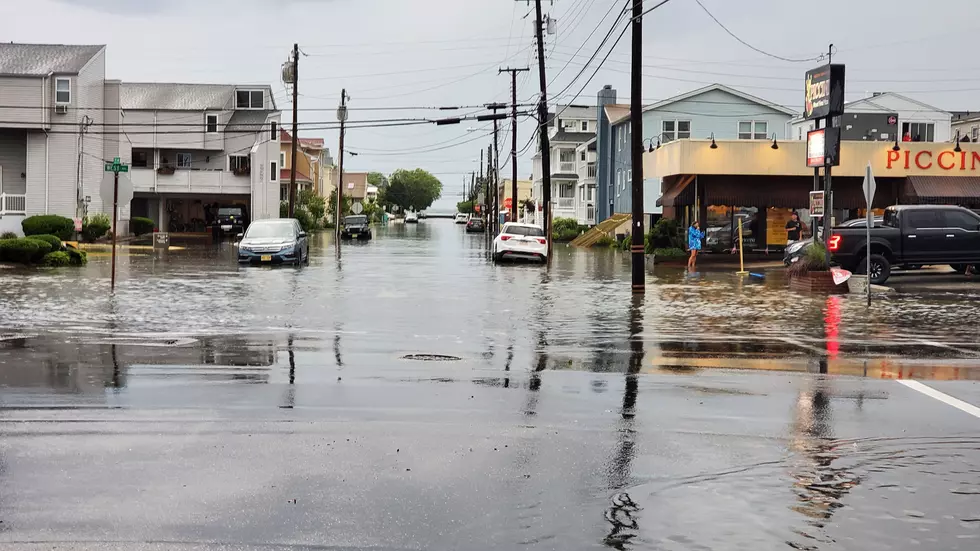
{"x":823,"y":147}
{"x":925,"y":160}
{"x":824,"y":92}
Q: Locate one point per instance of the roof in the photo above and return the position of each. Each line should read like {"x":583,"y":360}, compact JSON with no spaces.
{"x":42,"y":59}
{"x":722,"y":88}
{"x":173,"y":96}
{"x":286,"y":137}
{"x":284,"y":176}
{"x":875,"y":99}
{"x":577,"y":137}
{"x":616,"y":111}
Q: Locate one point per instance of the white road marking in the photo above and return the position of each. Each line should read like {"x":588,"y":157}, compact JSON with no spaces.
{"x":943,"y":397}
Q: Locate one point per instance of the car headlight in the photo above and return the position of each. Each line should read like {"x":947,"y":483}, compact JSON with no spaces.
{"x":286,"y":246}
{"x":245,"y":248}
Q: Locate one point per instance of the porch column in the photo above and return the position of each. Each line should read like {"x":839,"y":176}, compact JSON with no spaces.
{"x":162,"y":213}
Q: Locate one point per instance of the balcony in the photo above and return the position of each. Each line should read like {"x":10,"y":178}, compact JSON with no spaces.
{"x":587,"y":171}
{"x":585,"y":213}
{"x":191,"y":181}
{"x":11,"y":203}
{"x":563,"y":167}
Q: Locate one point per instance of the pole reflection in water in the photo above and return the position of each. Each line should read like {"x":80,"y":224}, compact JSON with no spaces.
{"x":336,"y":346}
{"x":534,"y":383}
{"x":818,"y":485}
{"x":510,"y":359}
{"x":832,"y":318}
{"x":620,"y":514}
{"x":289,"y":400}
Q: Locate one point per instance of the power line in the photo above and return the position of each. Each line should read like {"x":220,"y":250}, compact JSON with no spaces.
{"x":746,"y":44}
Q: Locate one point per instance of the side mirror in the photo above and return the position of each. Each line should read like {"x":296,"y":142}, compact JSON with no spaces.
{"x":241,"y":235}
{"x":302,"y":234}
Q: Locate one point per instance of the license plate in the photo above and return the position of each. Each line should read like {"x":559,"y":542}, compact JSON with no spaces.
{"x":226,"y":226}
{"x":266,"y":258}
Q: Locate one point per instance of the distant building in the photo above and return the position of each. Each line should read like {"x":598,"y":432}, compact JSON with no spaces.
{"x":967,"y":123}
{"x":885,"y":116}
{"x":312,"y":160}
{"x":525,"y":190}
{"x":569,"y":128}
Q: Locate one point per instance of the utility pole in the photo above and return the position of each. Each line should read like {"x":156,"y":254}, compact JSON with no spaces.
{"x":513,"y":135}
{"x":543,"y":128}
{"x":637,"y":249}
{"x":292,"y":173}
{"x":481,"y":165}
{"x":342,"y":117}
{"x":485,"y":210}
{"x":494,"y":169}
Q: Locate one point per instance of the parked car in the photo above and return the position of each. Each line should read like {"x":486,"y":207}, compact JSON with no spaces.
{"x":356,"y":227}
{"x":232,"y":219}
{"x":411,"y":218}
{"x":917,"y":235}
{"x":462,"y":218}
{"x":275,"y":241}
{"x":476,"y":225}
{"x":520,"y":241}
{"x":797,"y":249}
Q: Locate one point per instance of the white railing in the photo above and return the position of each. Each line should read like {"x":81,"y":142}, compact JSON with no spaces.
{"x":566,"y":167}
{"x":13,"y":203}
{"x":566,"y":202}
{"x":190,"y":181}
{"x":586,"y":214}
{"x":586,"y":171}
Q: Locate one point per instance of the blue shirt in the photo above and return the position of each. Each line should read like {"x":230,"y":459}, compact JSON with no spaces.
{"x":694,"y":237}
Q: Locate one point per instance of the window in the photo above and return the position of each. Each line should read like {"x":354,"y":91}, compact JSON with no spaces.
{"x":962,"y":220}
{"x":284,"y":193}
{"x":754,"y":130}
{"x":275,"y":131}
{"x":585,"y":126}
{"x":211,"y":123}
{"x":675,"y":130}
{"x":629,"y":179}
{"x":140,"y":158}
{"x":183,"y":160}
{"x":925,"y":219}
{"x":239,"y":163}
{"x":582,"y":156}
{"x":975,"y":134}
{"x":282,"y":158}
{"x":919,"y":131}
{"x":62,"y":91}
{"x":273,"y":171}
{"x":249,"y":99}
{"x":566,"y":191}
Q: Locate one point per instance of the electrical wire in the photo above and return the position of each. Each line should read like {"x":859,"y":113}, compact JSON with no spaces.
{"x":584,"y":42}
{"x":746,"y":44}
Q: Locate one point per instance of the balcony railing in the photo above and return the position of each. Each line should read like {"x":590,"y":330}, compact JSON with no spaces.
{"x":191,"y":181}
{"x":586,"y":214}
{"x":566,"y":202}
{"x":587,"y":171}
{"x":13,"y":203}
{"x":564,"y":167}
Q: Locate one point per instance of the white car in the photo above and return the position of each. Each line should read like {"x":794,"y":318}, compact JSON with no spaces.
{"x":411,"y":218}
{"x":520,"y":241}
{"x":462,"y":218}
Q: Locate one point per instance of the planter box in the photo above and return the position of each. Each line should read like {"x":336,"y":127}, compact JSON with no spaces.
{"x":817,"y":282}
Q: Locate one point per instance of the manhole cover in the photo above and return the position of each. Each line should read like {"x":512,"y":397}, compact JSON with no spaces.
{"x":431,"y":358}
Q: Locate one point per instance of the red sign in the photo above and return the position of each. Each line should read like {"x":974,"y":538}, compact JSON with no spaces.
{"x":924,"y":160}
{"x":508,"y":202}
{"x":476,"y":208}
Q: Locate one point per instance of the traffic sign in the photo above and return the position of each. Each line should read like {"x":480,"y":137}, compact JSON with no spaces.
{"x":116,"y":166}
{"x":357,"y":207}
{"x":125,"y":189}
{"x":869,"y":186}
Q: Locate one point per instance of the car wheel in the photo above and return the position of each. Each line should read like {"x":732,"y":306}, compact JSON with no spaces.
{"x":881,"y":269}
{"x":497,"y":257}
{"x":961,"y":268}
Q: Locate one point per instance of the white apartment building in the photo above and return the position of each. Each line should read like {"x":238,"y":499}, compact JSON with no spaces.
{"x":571,"y":135}
{"x":189,"y":145}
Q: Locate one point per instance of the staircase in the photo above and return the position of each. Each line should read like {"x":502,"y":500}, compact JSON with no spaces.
{"x":590,"y":237}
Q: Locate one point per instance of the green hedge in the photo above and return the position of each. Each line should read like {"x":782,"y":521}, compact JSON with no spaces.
{"x":669,"y":253}
{"x":56,"y":258}
{"x":141,"y":226}
{"x":24,"y":250}
{"x":48,"y":224}
{"x":8,"y":235}
{"x":50,"y":239}
{"x":77,"y":257}
{"x":95,"y":226}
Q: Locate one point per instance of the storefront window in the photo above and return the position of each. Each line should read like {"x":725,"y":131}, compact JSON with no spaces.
{"x":718,"y":228}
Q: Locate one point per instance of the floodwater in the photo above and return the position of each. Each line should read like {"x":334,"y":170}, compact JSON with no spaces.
{"x":411,"y":395}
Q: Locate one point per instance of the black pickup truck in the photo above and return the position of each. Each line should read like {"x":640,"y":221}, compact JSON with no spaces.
{"x":919,"y":235}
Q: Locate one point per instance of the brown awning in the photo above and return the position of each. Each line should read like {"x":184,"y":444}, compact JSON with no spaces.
{"x":674,"y":186}
{"x":774,"y":191}
{"x":959,"y":190}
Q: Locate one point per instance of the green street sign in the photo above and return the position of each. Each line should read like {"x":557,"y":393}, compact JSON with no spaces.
{"x":116,"y":166}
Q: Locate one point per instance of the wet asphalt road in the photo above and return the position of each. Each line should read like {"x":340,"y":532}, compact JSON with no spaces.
{"x":208,"y":406}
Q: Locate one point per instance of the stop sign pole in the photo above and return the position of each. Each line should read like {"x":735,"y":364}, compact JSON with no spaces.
{"x":115,"y":167}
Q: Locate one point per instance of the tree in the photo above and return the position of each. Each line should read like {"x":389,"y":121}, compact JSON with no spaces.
{"x":332,"y":206}
{"x":377,"y":179}
{"x":413,"y":190}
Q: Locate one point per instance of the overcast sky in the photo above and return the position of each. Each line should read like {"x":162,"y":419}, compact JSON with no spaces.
{"x":396,"y":53}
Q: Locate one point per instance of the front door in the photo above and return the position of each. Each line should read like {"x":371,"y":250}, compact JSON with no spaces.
{"x":962,"y":237}
{"x":924,"y":237}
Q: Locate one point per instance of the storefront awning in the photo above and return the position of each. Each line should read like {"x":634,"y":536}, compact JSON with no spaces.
{"x":674,"y":187}
{"x":771,"y":191}
{"x":960,"y":190}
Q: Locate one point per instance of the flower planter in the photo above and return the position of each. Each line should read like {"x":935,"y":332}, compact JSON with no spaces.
{"x":165,"y":170}
{"x":817,"y":282}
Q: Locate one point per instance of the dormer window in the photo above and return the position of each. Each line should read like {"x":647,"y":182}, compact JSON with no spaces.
{"x":249,"y":99}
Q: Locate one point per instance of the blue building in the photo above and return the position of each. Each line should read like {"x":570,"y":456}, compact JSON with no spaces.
{"x":716,"y":110}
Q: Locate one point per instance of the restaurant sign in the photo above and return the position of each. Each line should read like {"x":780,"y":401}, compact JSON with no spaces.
{"x":949,"y":159}
{"x":823,"y":147}
{"x":824,"y":92}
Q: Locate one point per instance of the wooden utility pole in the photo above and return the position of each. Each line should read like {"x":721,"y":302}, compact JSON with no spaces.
{"x":495,"y":210}
{"x":292,"y":173}
{"x":513,"y":137}
{"x":637,"y":248}
{"x":543,"y":128}
{"x":342,"y":116}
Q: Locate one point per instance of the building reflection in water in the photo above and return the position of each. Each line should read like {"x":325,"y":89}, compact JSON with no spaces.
{"x":621,"y":513}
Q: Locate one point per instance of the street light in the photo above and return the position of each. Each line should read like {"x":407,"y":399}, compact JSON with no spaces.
{"x":957,"y":148}
{"x":774,"y":144}
{"x":713,"y":144}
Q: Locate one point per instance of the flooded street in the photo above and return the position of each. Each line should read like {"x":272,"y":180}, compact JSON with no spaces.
{"x":412,"y":395}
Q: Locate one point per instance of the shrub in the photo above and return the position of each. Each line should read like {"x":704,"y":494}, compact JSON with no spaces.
{"x":48,"y":224}
{"x":815,"y":260}
{"x":141,"y":226}
{"x":9,"y":235}
{"x":605,"y":241}
{"x":24,"y":250}
{"x":50,"y":239}
{"x":305,"y":219}
{"x":672,"y":252}
{"x":56,"y":258}
{"x":665,"y":234}
{"x":77,"y":257}
{"x":314,"y":204}
{"x":466,"y":207}
{"x":95,"y":226}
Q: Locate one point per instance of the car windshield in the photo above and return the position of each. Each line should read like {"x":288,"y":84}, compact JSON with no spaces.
{"x":270,"y":229}
{"x":230,"y":211}
{"x":532,"y":231}
{"x":355,"y":220}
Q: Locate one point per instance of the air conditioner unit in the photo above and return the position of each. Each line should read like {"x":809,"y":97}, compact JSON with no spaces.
{"x":61,"y":109}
